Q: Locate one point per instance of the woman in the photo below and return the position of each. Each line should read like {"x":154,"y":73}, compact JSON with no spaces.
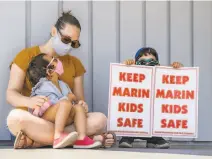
{"x":31,"y":131}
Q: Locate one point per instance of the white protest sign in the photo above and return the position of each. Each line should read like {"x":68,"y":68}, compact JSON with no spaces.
{"x":175,"y":106}
{"x":129,"y":110}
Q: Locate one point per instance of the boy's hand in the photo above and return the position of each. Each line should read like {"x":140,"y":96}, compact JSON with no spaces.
{"x":177,"y":65}
{"x":129,"y":62}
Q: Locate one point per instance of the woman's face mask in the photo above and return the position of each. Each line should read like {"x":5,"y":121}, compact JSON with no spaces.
{"x":60,"y":48}
{"x":147,"y":62}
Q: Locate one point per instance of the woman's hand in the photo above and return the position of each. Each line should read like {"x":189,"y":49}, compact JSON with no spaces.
{"x":129,"y":62}
{"x":84,"y":104}
{"x":36,"y":102}
{"x":176,"y":65}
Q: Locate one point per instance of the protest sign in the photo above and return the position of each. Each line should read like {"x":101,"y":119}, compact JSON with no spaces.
{"x":175,"y":102}
{"x":153,"y":101}
{"x":130,"y":98}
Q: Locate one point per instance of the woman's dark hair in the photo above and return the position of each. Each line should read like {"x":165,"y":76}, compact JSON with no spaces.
{"x":67,"y":17}
{"x":146,"y":51}
{"x":37,"y":69}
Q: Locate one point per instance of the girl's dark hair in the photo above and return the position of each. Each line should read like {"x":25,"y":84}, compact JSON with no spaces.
{"x":146,"y":51}
{"x":67,"y":17}
{"x":37,"y":69}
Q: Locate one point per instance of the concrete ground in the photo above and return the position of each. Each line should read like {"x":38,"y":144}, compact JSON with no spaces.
{"x":179,"y":150}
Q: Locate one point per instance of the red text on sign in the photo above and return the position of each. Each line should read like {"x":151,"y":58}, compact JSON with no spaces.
{"x":175,"y":94}
{"x":131,"y":77}
{"x":130,"y":122}
{"x":130,"y":107}
{"x":174,"y":109}
{"x":131,"y":92}
{"x":166,"y":123}
{"x":171,"y":79}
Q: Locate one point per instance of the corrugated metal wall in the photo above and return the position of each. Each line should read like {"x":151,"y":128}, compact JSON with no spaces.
{"x":113,"y":32}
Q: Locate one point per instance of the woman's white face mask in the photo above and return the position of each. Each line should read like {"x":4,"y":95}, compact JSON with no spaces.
{"x":60,"y":48}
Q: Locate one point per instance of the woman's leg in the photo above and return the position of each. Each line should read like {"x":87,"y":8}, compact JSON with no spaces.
{"x":22,"y":120}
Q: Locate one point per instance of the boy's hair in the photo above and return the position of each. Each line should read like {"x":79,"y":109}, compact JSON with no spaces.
{"x":37,"y":69}
{"x":146,"y":51}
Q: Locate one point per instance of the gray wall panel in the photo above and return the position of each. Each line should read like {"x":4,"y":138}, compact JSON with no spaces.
{"x":43,"y":16}
{"x":181,"y":32}
{"x":131,"y":29}
{"x":104,"y":51}
{"x":12,"y":17}
{"x":202,"y":58}
{"x":157,"y":29}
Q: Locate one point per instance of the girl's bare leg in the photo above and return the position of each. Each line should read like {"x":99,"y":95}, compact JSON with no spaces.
{"x":62,"y":114}
{"x":80,"y":121}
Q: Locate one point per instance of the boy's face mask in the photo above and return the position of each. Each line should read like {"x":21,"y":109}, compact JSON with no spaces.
{"x":147,"y":62}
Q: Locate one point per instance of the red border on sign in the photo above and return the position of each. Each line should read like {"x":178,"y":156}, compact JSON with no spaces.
{"x":166,"y":134}
{"x":133,"y":133}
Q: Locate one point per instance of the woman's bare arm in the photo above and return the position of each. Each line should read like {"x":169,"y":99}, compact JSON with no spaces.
{"x":16,"y":83}
{"x":79,"y":88}
{"x":14,"y":96}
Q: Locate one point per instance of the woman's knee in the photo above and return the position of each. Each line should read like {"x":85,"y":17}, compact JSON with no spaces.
{"x":97,"y":122}
{"x":15,"y":120}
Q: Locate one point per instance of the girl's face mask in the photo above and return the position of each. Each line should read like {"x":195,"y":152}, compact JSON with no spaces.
{"x":147,"y":62}
{"x":58,"y":68}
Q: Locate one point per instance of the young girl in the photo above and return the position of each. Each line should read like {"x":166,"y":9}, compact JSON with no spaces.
{"x":43,"y":73}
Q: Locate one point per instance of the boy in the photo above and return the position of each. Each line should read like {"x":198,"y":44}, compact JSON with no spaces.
{"x":149,"y":57}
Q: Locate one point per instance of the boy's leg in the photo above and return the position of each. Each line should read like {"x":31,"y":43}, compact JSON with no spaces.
{"x":126,"y":142}
{"x":155,"y":142}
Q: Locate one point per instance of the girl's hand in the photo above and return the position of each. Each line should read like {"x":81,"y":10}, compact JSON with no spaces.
{"x":176,"y":65}
{"x":84,"y":104}
{"x":129,"y":62}
{"x":36,"y":102}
